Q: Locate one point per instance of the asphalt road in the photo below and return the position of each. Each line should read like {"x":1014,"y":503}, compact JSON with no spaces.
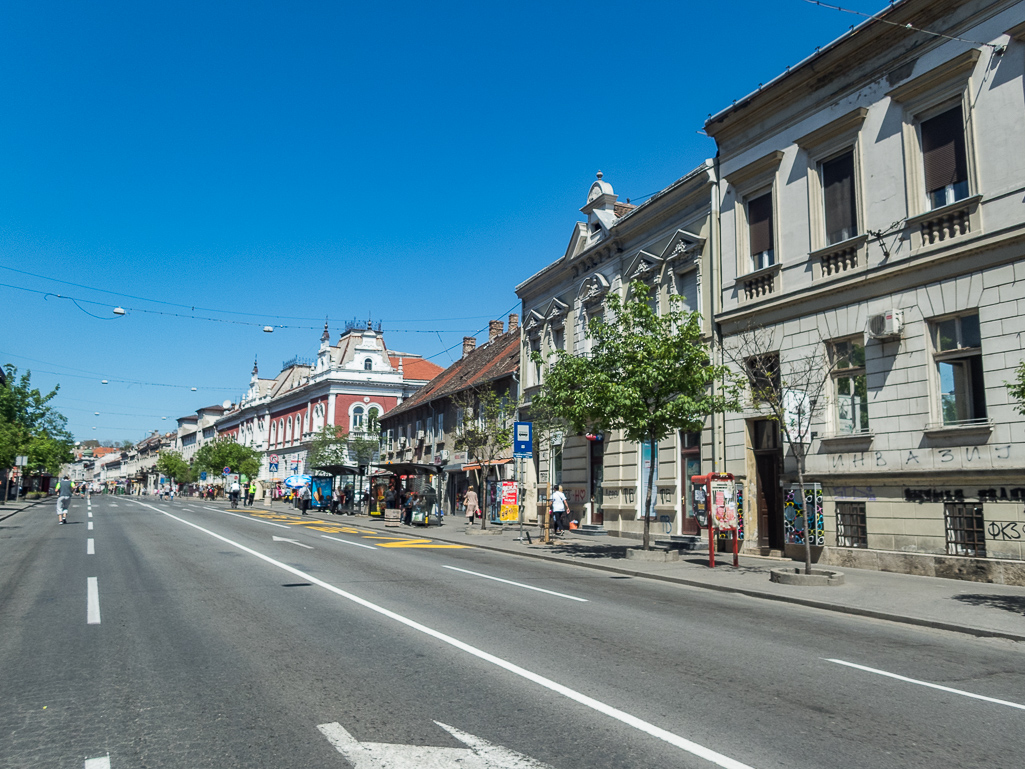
{"x":186,"y":635}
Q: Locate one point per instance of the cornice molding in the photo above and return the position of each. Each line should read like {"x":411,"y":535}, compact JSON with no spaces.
{"x":1017,"y":32}
{"x":960,"y":67}
{"x":764,"y":165}
{"x":849,"y":123}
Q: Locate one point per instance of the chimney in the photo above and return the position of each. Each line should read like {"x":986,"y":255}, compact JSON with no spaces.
{"x":495,"y":329}
{"x":514,"y":322}
{"x":469,"y":343}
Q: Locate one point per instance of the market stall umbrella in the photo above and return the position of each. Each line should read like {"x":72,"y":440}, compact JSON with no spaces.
{"x":295,"y":481}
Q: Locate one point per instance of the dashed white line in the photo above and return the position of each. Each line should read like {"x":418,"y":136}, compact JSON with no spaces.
{"x":92,"y":602}
{"x":347,"y":542}
{"x":90,"y":547}
{"x":103,"y":762}
{"x":89,"y":526}
{"x":517,"y":584}
{"x":623,"y":717}
{"x":90,"y":513}
{"x":929,"y":685}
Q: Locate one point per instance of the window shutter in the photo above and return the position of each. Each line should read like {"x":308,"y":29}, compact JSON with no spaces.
{"x":759,"y":217}
{"x":838,"y":197}
{"x":688,"y":287}
{"x":943,"y":150}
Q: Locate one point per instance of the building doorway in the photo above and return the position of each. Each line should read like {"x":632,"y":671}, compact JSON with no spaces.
{"x":690,"y":463}
{"x":768,"y":464}
{"x":597,"y":451}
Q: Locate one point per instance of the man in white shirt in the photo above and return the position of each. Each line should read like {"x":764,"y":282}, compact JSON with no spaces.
{"x":560,"y":507}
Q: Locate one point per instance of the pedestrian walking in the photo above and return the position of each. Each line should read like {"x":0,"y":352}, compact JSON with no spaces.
{"x":305,"y":495}
{"x":64,"y":492}
{"x":251,"y":494}
{"x":560,"y":510}
{"x":471,"y":503}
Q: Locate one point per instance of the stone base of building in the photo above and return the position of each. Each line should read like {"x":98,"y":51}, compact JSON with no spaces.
{"x":995,"y":571}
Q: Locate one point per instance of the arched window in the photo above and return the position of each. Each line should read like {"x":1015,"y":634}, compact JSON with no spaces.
{"x":368,"y":365}
{"x":288,"y":433}
{"x":298,"y":429}
{"x":357,"y":419}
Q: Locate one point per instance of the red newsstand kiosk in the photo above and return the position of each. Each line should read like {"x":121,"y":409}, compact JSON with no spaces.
{"x":715,"y":506}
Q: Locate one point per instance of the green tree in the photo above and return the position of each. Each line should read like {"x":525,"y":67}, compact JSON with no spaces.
{"x":171,"y":464}
{"x":485,"y":432}
{"x":330,"y":446}
{"x":1016,"y":389}
{"x":29,"y":425}
{"x":224,"y":452}
{"x":647,"y":374}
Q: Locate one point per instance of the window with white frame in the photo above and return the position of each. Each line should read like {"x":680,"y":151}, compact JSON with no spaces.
{"x":441,"y":428}
{"x":957,"y":350}
{"x":368,"y":364}
{"x":288,"y":432}
{"x":356,"y":419}
{"x":944,"y":157}
{"x":850,"y":386}
{"x":535,"y":365}
{"x":838,"y":197}
{"x":761,"y":234}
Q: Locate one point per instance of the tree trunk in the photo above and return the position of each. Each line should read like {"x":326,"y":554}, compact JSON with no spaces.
{"x":7,"y":481}
{"x":647,"y":496}
{"x":810,"y":516}
{"x":481,"y":495}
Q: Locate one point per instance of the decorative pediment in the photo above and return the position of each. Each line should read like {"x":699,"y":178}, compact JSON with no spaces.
{"x":533,"y":323}
{"x":683,"y":250}
{"x":644,"y":267}
{"x":593,"y":289}
{"x":556,"y":310}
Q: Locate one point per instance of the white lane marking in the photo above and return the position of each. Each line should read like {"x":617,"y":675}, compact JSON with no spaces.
{"x":931,"y":686}
{"x":293,"y":541}
{"x":589,"y":702}
{"x":89,"y":526}
{"x":517,"y":584}
{"x":98,"y":763}
{"x":90,"y":513}
{"x":248,"y":518}
{"x":113,"y":504}
{"x":347,"y":542}
{"x":480,"y":754}
{"x":90,"y":547}
{"x":92,"y":602}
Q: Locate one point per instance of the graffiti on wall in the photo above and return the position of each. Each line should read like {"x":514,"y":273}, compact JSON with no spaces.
{"x":793,"y":514}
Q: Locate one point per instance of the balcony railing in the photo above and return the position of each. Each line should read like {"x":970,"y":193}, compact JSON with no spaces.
{"x":761,"y":284}
{"x":947,"y":223}
{"x":840,"y":258}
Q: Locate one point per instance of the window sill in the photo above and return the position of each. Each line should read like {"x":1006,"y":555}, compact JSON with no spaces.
{"x":966,"y":430}
{"x":946,"y":222}
{"x":847,"y":441}
{"x":839,"y":259}
{"x":759,"y":284}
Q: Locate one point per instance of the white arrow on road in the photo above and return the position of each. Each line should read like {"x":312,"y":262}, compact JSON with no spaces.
{"x":293,"y":541}
{"x":480,"y":754}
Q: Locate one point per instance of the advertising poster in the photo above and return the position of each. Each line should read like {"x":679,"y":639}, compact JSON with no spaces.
{"x":724,"y":504}
{"x":321,"y":489}
{"x":510,"y":510}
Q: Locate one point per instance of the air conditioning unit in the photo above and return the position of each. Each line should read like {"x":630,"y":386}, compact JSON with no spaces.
{"x":886,"y":324}
{"x":402,"y":443}
{"x":444,"y":455}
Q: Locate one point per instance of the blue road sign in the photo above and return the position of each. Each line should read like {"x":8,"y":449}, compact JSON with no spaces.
{"x":523,"y":439}
{"x":273,"y":467}
{"x":227,"y":471}
{"x":202,"y":476}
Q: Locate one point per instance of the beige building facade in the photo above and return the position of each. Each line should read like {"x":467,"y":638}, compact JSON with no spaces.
{"x":872,"y":214}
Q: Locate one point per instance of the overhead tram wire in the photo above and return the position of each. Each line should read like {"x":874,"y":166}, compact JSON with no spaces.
{"x":478,"y":331}
{"x":207,"y":309}
{"x":876,"y":16}
{"x":76,"y":301}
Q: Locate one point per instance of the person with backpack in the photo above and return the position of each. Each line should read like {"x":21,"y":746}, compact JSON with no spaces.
{"x":64,"y":491}
{"x":305,"y":495}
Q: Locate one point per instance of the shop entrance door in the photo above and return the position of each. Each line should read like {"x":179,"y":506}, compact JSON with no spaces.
{"x":768,"y":459}
{"x":690,"y":462}
{"x":597,"y":474}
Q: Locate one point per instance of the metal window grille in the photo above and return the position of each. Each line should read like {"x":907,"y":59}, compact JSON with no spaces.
{"x":851,"y":530}
{"x":966,"y":530}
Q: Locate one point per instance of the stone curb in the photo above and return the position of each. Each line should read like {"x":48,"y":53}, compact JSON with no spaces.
{"x":823,"y":605}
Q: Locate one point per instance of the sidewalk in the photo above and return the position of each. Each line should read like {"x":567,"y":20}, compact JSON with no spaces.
{"x":11,"y":507}
{"x":980,"y":609}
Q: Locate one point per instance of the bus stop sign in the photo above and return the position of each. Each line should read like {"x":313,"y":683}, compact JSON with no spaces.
{"x":523,"y":439}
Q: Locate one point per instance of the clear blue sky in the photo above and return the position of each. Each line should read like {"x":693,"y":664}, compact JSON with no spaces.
{"x":411,"y":162}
